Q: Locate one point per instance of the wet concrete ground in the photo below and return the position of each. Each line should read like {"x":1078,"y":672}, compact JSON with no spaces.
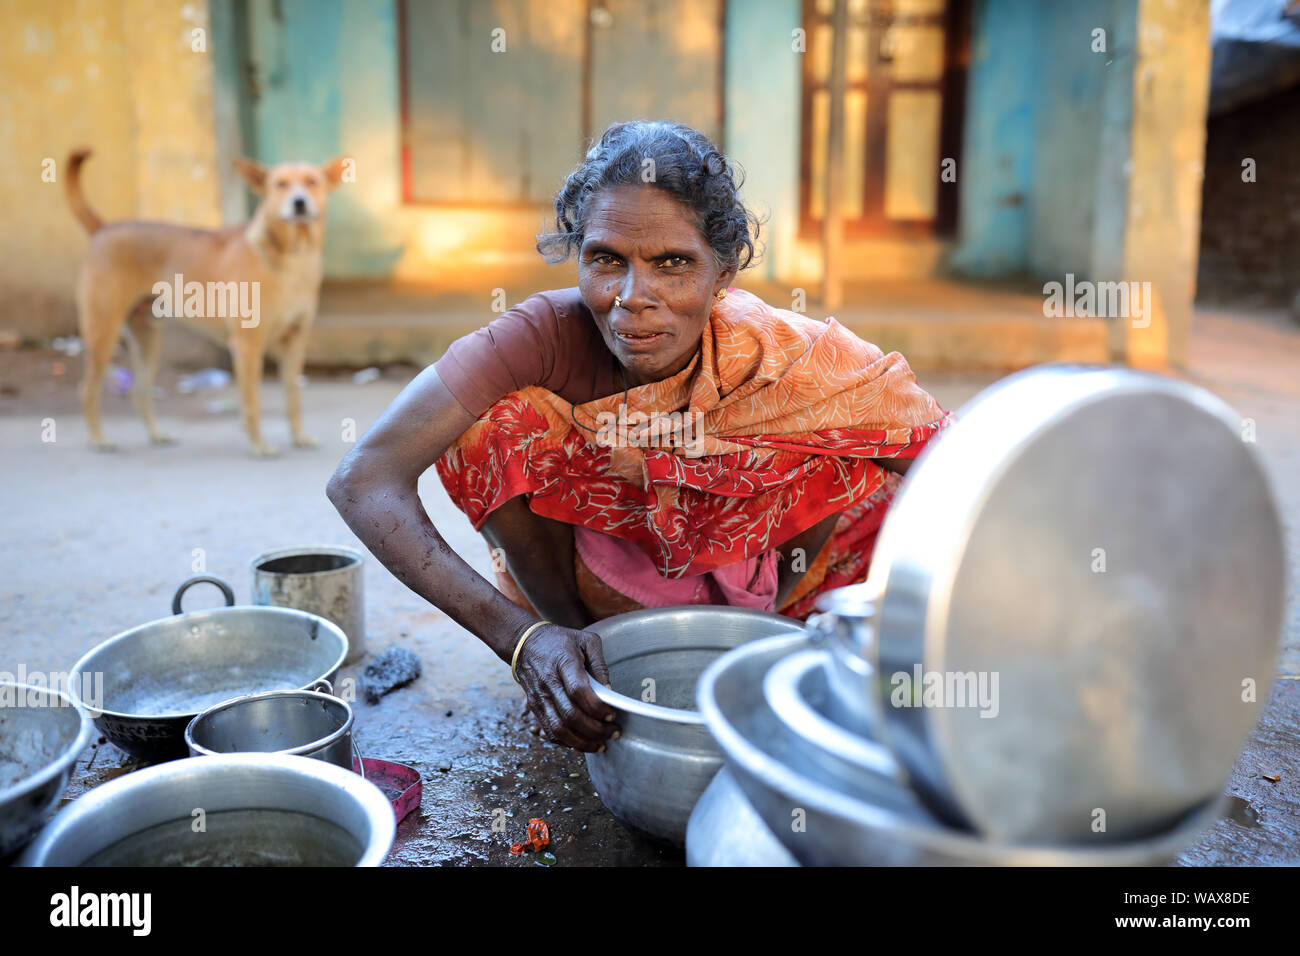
{"x":97,"y":544}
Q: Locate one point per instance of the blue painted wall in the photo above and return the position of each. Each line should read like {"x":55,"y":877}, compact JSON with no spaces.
{"x":763,"y":77}
{"x":328,"y":72}
{"x":1038,"y":102}
{"x":997,"y":166}
{"x":1069,"y":93}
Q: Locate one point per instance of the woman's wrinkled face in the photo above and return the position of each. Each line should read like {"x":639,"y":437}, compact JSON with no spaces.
{"x":643,"y":247}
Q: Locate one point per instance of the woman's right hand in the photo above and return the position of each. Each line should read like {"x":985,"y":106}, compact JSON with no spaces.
{"x":553,"y":669}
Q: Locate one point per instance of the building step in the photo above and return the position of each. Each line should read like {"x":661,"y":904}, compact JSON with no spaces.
{"x":934,"y":324}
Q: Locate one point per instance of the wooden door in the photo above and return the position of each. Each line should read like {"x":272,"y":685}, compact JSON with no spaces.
{"x":656,"y":59}
{"x":906,"y":71}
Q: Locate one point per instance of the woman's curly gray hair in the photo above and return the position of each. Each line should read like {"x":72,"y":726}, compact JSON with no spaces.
{"x":672,"y":157}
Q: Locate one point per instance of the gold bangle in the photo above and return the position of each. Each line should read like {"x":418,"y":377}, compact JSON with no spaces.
{"x":514,"y":660}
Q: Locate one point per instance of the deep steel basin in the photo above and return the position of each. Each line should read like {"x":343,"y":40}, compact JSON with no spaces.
{"x":725,"y":830}
{"x":652,"y":776}
{"x":225,"y":810}
{"x":838,"y":829}
{"x":41,"y":733}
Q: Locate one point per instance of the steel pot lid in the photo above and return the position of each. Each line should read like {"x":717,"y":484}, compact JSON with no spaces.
{"x":1082,"y":587}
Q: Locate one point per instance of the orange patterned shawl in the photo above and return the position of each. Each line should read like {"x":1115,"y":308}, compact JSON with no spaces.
{"x":788,"y":413}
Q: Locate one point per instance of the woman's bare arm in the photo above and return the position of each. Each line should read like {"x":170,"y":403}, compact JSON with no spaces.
{"x":375,"y":491}
{"x":798,"y":553}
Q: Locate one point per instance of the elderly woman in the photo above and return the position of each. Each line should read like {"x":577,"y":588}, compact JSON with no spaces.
{"x":649,"y":438}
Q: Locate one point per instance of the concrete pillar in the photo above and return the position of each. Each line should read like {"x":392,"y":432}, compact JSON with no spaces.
{"x":1155,"y":236}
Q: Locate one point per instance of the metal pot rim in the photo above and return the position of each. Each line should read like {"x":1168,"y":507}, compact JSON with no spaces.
{"x":751,"y":761}
{"x":66,"y":756}
{"x":916,"y":580}
{"x":337,"y":550}
{"x":124,"y":636}
{"x":781,"y":686}
{"x":672,"y":715}
{"x":306,"y":748}
{"x":640,"y":708}
{"x":378,"y":811}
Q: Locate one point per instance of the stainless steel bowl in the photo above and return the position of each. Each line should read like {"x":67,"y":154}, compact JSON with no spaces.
{"x":41,"y":733}
{"x":845,"y":625}
{"x":652,"y":776}
{"x":301,"y":722}
{"x":225,"y":810}
{"x":724,"y":830}
{"x":797,"y":690}
{"x":823,"y":826}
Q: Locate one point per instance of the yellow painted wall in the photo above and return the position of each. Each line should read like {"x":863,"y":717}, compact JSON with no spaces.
{"x":119,"y":76}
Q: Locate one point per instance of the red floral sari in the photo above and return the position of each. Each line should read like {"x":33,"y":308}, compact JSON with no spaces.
{"x":771,"y":428}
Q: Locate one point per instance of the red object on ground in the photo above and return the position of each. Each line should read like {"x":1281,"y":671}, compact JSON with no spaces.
{"x":539,"y":837}
{"x":399,"y":783}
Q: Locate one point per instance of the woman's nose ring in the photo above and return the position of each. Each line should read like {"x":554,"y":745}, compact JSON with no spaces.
{"x":618,"y":302}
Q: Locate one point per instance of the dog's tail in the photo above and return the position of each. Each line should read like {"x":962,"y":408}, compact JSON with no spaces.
{"x":72,"y":183}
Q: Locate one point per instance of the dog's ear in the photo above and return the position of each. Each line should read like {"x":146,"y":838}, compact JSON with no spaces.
{"x":336,"y":168}
{"x":254,"y":174}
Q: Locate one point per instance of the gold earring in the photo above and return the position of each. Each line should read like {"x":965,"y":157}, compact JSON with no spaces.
{"x":720,"y":294}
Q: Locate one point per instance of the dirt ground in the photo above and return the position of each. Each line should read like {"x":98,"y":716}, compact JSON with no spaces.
{"x":96,"y":543}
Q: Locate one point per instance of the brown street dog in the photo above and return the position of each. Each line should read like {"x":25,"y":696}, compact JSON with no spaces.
{"x":255,"y":287}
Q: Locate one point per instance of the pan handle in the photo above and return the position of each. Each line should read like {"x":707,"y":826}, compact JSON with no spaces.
{"x":201,"y":579}
{"x":356,"y":754}
{"x":324,"y":686}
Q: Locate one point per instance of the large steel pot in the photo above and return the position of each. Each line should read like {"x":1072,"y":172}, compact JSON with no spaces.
{"x":159,"y":676}
{"x":822,"y":825}
{"x":1081,"y":590}
{"x":225,"y":810}
{"x":652,"y":776}
{"x":41,"y":733}
{"x":725,"y":830}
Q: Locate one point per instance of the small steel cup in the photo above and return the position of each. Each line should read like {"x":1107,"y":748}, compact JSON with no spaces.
{"x":325,"y":580}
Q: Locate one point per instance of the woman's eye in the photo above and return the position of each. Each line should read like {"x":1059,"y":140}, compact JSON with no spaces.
{"x":675,"y":262}
{"x":604,"y":259}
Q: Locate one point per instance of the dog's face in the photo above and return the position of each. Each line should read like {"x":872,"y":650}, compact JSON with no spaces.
{"x":293,"y":193}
